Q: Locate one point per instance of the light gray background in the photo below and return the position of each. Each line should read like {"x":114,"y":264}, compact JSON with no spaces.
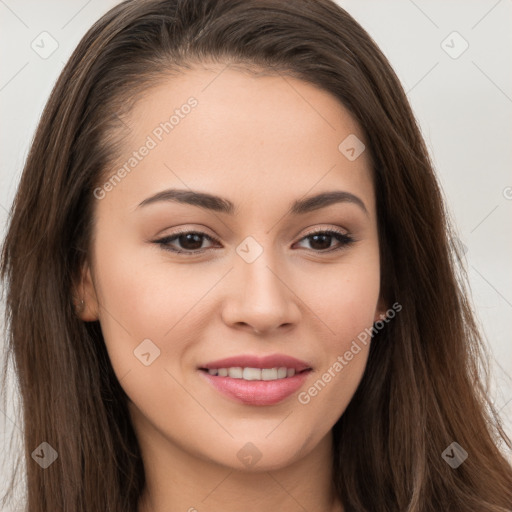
{"x":463,"y":104}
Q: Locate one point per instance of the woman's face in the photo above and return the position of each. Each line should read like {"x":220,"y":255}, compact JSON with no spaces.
{"x":254,"y":285}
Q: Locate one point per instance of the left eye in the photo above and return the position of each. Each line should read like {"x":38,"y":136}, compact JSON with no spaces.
{"x":324,"y":239}
{"x":191,"y":241}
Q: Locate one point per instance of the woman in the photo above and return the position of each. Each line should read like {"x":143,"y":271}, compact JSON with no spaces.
{"x":229,"y":282}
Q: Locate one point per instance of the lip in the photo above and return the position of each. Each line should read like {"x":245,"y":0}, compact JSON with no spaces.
{"x":257,"y":392}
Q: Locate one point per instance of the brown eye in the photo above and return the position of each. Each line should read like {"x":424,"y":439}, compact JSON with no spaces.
{"x":321,"y":241}
{"x":189,"y":242}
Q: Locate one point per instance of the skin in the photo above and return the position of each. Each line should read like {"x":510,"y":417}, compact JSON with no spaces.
{"x":262,"y":142}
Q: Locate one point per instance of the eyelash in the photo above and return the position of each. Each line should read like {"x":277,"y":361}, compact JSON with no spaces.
{"x":344,"y":239}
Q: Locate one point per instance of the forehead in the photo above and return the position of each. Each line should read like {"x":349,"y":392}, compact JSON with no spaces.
{"x":219,"y":130}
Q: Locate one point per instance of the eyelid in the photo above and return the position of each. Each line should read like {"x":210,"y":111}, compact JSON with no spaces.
{"x":346,"y":240}
{"x":181,"y":231}
{"x":314,"y":231}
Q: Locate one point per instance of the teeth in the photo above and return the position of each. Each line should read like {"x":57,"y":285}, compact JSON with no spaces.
{"x":237,"y":372}
{"x":281,"y":373}
{"x":251,"y":374}
{"x":269,"y":374}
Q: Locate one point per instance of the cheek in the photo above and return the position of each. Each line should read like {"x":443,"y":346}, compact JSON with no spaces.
{"x":138,"y":302}
{"x":149,"y":320}
{"x":345,"y":299}
{"x":347,"y":306}
{"x":148,"y":294}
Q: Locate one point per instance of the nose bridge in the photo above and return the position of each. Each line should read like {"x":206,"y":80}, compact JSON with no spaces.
{"x":257,"y":266}
{"x":260,"y":297}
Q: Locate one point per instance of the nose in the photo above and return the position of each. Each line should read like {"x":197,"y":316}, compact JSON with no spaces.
{"x":259,"y":298}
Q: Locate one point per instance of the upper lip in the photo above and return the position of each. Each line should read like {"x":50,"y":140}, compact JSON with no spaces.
{"x":251,"y":361}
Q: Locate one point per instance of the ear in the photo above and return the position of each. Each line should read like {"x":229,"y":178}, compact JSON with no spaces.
{"x":380,"y":312}
{"x":88,"y":310}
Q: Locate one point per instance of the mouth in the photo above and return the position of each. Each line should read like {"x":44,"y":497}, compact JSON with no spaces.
{"x":250,"y":374}
{"x":257,"y":380}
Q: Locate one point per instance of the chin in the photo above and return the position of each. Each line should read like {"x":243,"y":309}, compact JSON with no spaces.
{"x":258,"y":454}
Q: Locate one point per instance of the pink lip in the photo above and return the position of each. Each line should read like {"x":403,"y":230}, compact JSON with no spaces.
{"x":247,"y":361}
{"x":258,"y":392}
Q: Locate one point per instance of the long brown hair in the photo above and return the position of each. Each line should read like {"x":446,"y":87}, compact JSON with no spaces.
{"x":423,"y":387}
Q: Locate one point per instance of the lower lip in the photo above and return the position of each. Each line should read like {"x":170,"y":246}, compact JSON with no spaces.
{"x":257,"y":392}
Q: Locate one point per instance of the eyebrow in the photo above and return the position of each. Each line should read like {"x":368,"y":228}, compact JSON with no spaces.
{"x":222,"y":205}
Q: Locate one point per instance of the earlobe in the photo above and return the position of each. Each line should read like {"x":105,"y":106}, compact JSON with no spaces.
{"x":86,"y":302}
{"x":380,"y":312}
